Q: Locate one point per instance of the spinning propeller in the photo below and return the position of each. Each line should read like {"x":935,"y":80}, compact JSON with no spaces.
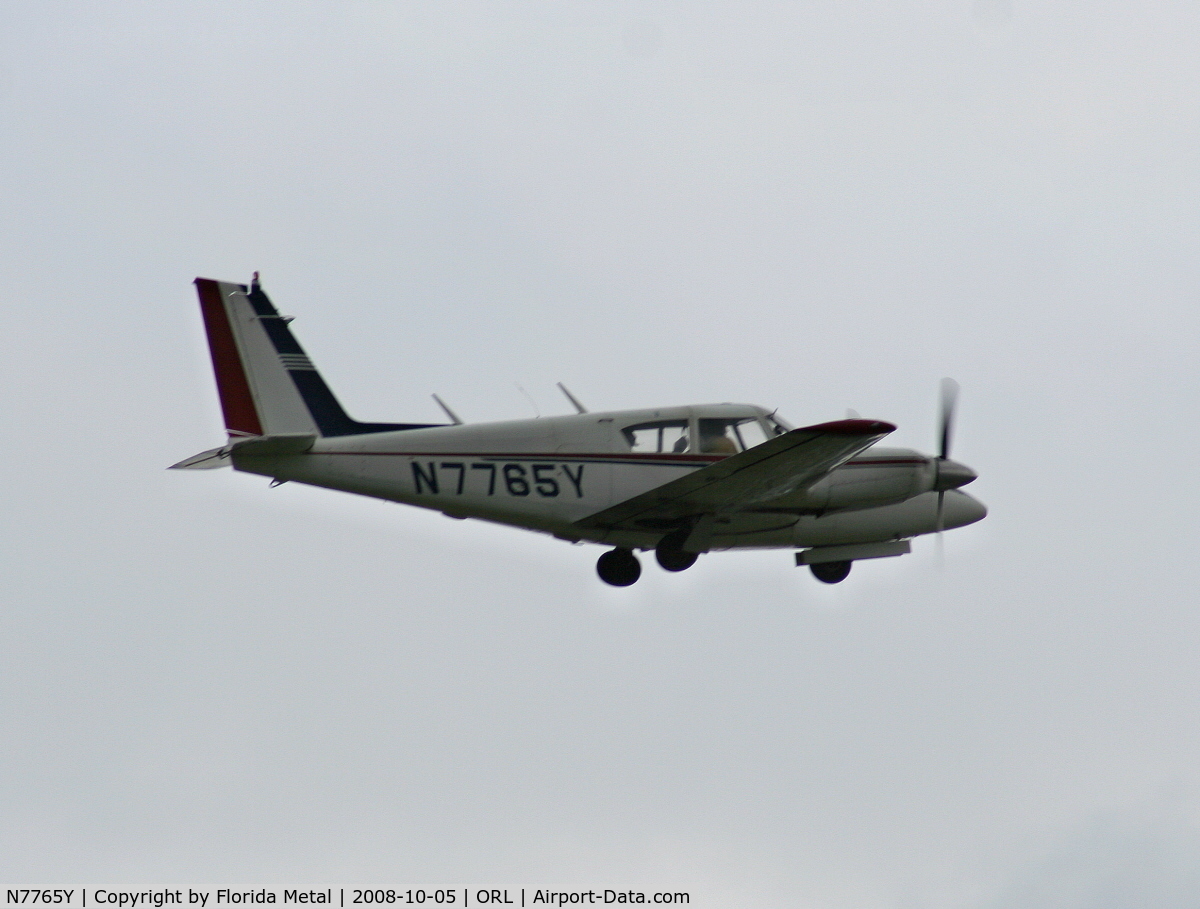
{"x":948,"y":474}
{"x":949,"y":403}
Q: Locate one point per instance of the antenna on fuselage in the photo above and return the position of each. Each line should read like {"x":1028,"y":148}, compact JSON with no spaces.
{"x":450,"y":413}
{"x":579,"y":408}
{"x":529,"y":398}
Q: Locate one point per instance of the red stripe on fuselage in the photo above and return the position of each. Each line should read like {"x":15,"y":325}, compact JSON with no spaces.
{"x":237,"y":402}
{"x":885,"y":462}
{"x":671,"y":460}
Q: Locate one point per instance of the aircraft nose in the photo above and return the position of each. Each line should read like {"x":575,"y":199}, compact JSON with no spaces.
{"x":951,"y":474}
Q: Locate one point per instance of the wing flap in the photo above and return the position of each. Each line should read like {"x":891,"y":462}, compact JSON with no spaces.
{"x":776,"y":468}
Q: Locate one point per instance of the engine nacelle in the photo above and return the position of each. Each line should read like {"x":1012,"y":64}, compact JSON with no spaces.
{"x":900,"y":520}
{"x":877,"y":477}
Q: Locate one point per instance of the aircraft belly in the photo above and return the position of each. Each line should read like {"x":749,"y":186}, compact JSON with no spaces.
{"x":744,"y":530}
{"x":766,"y":539}
{"x":752,"y":530}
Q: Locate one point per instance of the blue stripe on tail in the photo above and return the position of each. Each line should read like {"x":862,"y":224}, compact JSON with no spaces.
{"x":326,"y":410}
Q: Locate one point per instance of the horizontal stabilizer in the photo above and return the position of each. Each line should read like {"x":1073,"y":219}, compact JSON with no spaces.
{"x":206,"y":460}
{"x":258,"y":447}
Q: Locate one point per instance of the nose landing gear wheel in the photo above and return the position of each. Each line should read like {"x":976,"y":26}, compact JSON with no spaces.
{"x":830,"y":572}
{"x":619,"y":567}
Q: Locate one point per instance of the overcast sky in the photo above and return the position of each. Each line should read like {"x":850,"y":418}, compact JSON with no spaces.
{"x":206,"y":682}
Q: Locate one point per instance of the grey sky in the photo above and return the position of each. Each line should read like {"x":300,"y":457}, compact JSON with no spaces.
{"x":809,"y":206}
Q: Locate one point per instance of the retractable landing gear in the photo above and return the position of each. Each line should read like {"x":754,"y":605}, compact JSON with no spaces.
{"x":670,"y":552}
{"x":831,"y":572}
{"x":831,"y":563}
{"x":675,"y":559}
{"x":619,"y":567}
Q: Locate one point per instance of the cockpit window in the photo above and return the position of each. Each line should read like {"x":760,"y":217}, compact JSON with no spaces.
{"x":750,"y":433}
{"x":665,"y":435}
{"x":729,"y":436}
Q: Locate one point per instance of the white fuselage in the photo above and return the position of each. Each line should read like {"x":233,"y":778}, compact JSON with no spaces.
{"x":547,"y":474}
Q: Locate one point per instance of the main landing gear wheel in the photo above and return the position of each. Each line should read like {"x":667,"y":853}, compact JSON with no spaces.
{"x":675,"y":559}
{"x":831,"y":572}
{"x":619,"y":567}
{"x":670,"y":552}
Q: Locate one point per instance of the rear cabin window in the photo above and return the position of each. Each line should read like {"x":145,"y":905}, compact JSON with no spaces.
{"x":664,"y":436}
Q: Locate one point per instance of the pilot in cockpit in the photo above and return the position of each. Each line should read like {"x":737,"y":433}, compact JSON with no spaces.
{"x":714,"y":438}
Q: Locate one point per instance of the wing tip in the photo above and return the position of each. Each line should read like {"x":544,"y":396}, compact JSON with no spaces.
{"x":853,"y":427}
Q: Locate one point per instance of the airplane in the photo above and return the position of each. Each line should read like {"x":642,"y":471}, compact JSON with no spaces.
{"x":681,"y":481}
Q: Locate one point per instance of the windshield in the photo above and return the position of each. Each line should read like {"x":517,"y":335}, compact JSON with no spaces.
{"x":778,"y":425}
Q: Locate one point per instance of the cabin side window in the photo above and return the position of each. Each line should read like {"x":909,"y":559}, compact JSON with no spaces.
{"x":669,"y":436}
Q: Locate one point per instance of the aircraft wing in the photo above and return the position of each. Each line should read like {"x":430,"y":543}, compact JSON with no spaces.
{"x":776,"y":468}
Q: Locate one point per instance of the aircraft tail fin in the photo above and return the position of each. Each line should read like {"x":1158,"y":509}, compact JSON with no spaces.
{"x":267,"y":384}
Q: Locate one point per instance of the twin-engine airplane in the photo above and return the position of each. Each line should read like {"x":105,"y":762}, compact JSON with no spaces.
{"x":679,"y":480}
